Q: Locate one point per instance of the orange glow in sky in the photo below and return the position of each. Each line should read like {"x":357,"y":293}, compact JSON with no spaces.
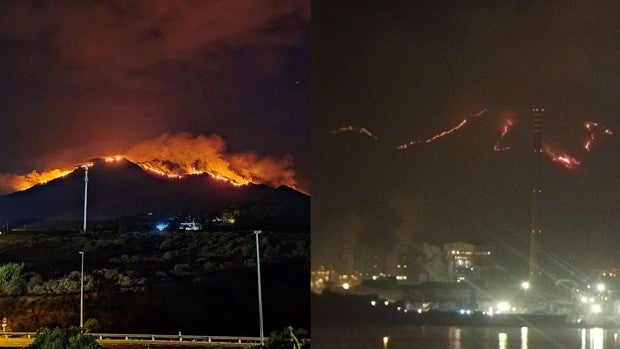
{"x":178,"y":155}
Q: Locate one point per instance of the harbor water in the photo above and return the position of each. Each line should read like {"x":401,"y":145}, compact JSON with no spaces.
{"x":456,"y":337}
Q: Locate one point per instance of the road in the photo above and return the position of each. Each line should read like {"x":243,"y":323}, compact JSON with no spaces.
{"x":130,"y":341}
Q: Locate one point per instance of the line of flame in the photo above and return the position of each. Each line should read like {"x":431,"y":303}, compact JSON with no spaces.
{"x":362,"y":130}
{"x":592,"y":127}
{"x":440,"y":134}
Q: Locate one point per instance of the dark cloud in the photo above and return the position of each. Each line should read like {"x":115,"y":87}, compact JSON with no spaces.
{"x":85,"y":78}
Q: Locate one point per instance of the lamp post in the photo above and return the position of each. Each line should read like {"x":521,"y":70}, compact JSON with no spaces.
{"x":85,"y":195}
{"x":82,"y":294}
{"x":260,"y":297}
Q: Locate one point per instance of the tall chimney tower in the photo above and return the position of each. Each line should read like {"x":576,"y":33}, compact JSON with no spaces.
{"x":535,"y":230}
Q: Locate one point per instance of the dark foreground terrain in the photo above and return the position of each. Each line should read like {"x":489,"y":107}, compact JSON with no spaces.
{"x":146,"y":282}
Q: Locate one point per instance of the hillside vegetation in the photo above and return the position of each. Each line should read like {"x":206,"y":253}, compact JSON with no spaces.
{"x":198,"y":282}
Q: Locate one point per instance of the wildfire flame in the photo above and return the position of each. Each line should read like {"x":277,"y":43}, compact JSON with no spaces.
{"x":507,"y":125}
{"x":365,"y":131}
{"x":113,"y":158}
{"x":595,"y":130}
{"x":361,"y":130}
{"x":440,"y":134}
{"x":178,"y":155}
{"x":23,"y":182}
{"x":562,"y":158}
{"x":432,"y":139}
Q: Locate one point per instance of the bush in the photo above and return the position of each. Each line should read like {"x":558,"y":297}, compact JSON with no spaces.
{"x":83,"y":341}
{"x":179,"y":269}
{"x":35,"y":285}
{"x":166,"y":244}
{"x":287,"y":339}
{"x":57,"y":338}
{"x":10,"y":272}
{"x":110,"y":274}
{"x":10,"y":279}
{"x":48,"y":338}
{"x":91,"y":325}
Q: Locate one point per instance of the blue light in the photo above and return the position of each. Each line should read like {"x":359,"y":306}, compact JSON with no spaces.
{"x":162,"y":226}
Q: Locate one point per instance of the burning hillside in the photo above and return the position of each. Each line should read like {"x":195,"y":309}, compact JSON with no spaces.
{"x":179,"y":155}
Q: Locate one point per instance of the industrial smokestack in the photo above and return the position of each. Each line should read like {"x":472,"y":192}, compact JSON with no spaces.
{"x":536,"y":231}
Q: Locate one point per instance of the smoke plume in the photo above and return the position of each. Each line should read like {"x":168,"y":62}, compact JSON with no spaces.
{"x":179,"y":155}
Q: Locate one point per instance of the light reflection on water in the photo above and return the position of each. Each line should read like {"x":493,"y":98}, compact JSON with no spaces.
{"x":523,"y":337}
{"x":430,"y":337}
{"x":454,"y":336}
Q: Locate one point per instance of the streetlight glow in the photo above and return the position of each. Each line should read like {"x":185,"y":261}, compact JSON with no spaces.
{"x":525,"y":285}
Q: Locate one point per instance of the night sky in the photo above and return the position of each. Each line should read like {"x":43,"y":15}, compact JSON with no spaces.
{"x":81,"y":79}
{"x":408,"y":70}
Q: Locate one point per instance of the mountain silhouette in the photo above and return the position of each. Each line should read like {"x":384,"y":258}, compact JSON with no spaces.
{"x":123,"y":188}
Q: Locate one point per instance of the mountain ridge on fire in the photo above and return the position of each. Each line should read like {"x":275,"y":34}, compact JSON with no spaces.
{"x":122,"y":188}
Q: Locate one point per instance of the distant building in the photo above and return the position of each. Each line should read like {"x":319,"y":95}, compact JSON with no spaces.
{"x":223,"y":220}
{"x":402,"y":271}
{"x":321,"y":278}
{"x":608,"y":276}
{"x":610,"y":273}
{"x":190,"y":226}
{"x":468,"y":261}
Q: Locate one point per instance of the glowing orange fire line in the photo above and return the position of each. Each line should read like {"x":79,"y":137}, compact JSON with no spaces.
{"x":592,"y":127}
{"x":440,"y":134}
{"x":505,"y":131}
{"x":34,"y":178}
{"x":365,"y":131}
{"x":432,"y":139}
{"x":161,"y":171}
{"x":361,"y":130}
{"x":563,"y":159}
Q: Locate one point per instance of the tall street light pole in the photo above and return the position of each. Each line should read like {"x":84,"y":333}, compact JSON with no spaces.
{"x":82,"y":294}
{"x":260,"y":297}
{"x":85,"y":195}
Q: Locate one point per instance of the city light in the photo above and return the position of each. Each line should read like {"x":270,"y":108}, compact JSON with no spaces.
{"x":346,"y":286}
{"x":161,"y":226}
{"x":503,"y":307}
{"x":525,"y":285}
{"x":597,"y":308}
{"x":600,"y":287}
